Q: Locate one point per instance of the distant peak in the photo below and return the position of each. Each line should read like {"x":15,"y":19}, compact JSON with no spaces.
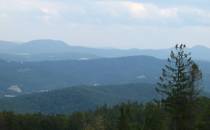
{"x":46,"y":42}
{"x":7,"y":42}
{"x":200,"y":47}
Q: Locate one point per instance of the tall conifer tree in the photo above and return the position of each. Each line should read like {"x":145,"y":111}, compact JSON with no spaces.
{"x":180,"y":88}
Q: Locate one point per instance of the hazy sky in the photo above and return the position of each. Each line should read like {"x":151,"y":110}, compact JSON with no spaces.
{"x":108,"y":23}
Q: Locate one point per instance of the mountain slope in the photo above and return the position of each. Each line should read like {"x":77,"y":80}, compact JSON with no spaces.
{"x":37,"y":76}
{"x":81,"y":98}
{"x":40,"y":50}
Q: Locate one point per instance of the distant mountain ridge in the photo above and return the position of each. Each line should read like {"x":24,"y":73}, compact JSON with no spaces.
{"x":50,"y":76}
{"x":40,"y":50}
{"x":47,"y":49}
{"x":24,"y":77}
{"x":47,"y":75}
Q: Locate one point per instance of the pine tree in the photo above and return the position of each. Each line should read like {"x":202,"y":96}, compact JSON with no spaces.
{"x":179,"y":88}
{"x":124,"y":118}
{"x":99,"y":122}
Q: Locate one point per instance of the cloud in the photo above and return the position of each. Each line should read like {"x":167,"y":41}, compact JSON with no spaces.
{"x":149,"y":10}
{"x":148,"y":14}
{"x":106,"y":12}
{"x":98,"y":22}
{"x":27,"y":9}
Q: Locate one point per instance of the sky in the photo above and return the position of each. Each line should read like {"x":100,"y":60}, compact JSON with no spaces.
{"x":108,"y":23}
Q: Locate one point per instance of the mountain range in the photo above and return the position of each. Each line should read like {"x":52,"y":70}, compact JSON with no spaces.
{"x":28,"y":77}
{"x":47,"y":75}
{"x":51,"y":76}
{"x":46,"y":49}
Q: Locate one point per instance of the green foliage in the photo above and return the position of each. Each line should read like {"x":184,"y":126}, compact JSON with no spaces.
{"x":126,"y":116}
{"x":130,"y":116}
{"x":179,"y":86}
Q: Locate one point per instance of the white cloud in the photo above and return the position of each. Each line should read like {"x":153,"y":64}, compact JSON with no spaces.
{"x":30,"y":6}
{"x":150,"y":10}
{"x":96,"y":23}
{"x":105,"y":12}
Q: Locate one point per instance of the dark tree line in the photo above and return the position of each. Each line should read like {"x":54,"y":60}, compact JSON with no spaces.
{"x":128,"y":116}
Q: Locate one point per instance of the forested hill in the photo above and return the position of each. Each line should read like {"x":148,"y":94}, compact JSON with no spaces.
{"x":81,"y":98}
{"x":48,"y":75}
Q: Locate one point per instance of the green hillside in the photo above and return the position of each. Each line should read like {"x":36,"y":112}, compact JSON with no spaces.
{"x":78,"y":98}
